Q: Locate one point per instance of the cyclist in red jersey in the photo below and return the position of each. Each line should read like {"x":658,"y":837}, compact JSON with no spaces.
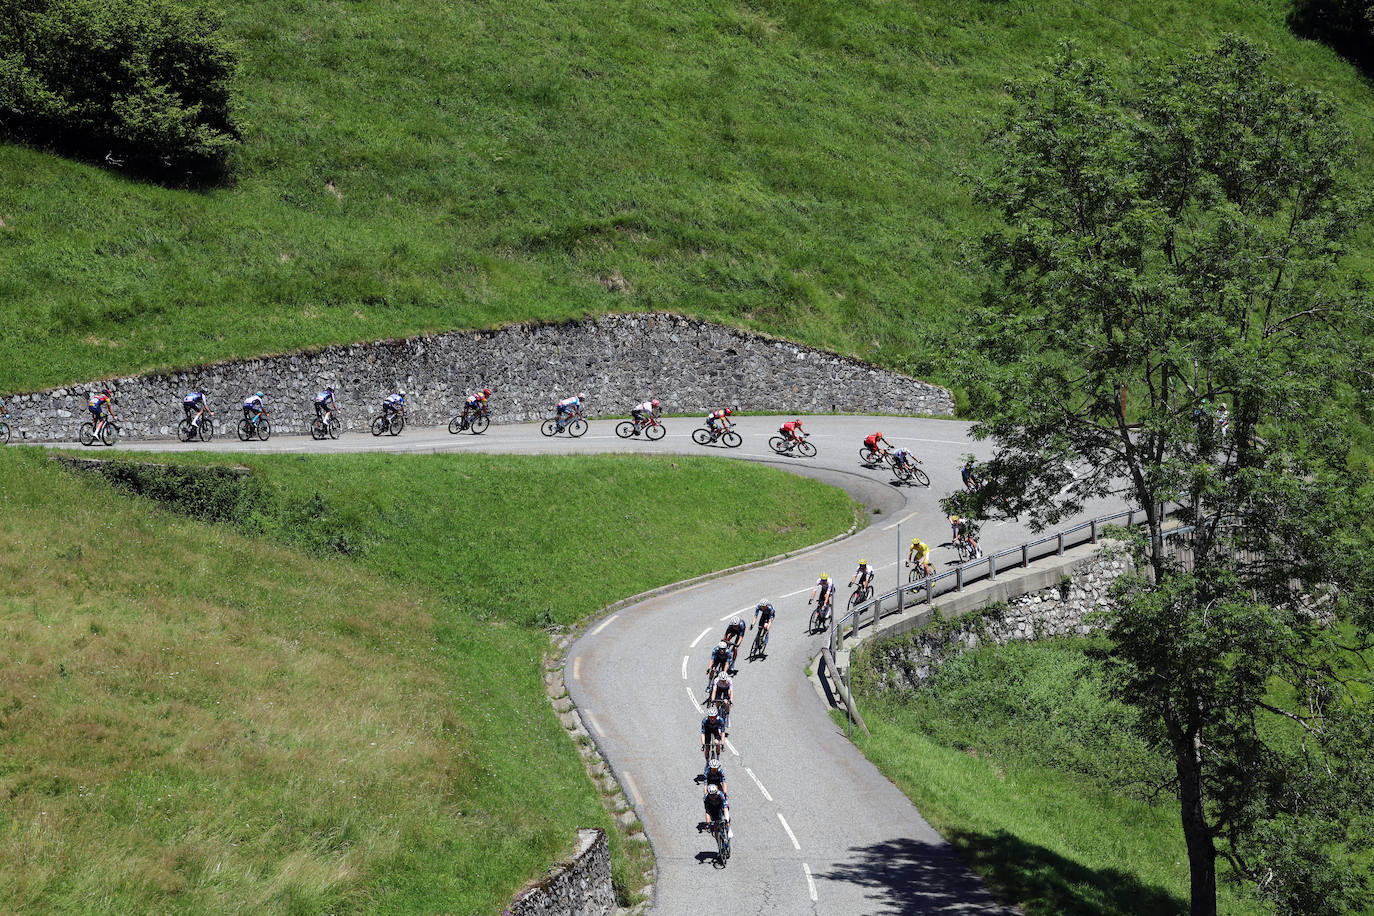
{"x":792,"y":431}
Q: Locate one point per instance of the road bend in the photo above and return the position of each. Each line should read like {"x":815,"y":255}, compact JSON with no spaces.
{"x":817,"y":829}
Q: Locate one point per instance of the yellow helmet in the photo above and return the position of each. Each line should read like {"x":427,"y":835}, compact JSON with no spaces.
{"x":863,"y":562}
{"x":825,"y":576}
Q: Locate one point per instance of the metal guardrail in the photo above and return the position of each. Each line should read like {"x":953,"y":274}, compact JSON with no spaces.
{"x":984,"y":568}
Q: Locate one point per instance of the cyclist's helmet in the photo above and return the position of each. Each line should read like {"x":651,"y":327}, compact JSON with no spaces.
{"x":486,"y":392}
{"x":739,"y":621}
{"x":330,"y":389}
{"x":712,"y":790}
{"x":402,"y":392}
{"x":729,"y":411}
{"x":825,"y":576}
{"x":713,"y":764}
{"x":106,"y":391}
{"x":257,"y":394}
{"x":764,"y":602}
{"x":722,"y":645}
{"x":654,"y":402}
{"x":878,"y":435}
{"x":582,"y":395}
{"x":863,"y":562}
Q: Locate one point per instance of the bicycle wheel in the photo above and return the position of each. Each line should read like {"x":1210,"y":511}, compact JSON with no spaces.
{"x":731,"y":439}
{"x":479,"y":425}
{"x":701,"y":436}
{"x":245,"y":430}
{"x":655,"y":432}
{"x":814,"y":622}
{"x":264,"y":430}
{"x":856,"y":598}
{"x":868,"y":456}
{"x":455,"y":425}
{"x":723,"y":844}
{"x":778,"y":444}
{"x":549,"y":428}
{"x":206,"y":429}
{"x":919,"y":477}
{"x":398,"y":423}
{"x":317,"y":429}
{"x":108,"y":433}
{"x":185,"y":430}
{"x":806,"y":449}
{"x":87,"y":434}
{"x":378,"y":426}
{"x":4,"y":433}
{"x":333,"y":428}
{"x":577,"y":427}
{"x":624,"y":429}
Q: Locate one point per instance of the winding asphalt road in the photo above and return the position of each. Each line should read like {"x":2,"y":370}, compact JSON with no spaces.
{"x":817,"y":828}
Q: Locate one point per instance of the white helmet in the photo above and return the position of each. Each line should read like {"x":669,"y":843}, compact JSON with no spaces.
{"x":712,"y":789}
{"x":722,"y":645}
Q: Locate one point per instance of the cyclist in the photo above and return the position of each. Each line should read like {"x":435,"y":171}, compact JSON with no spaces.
{"x":863,"y":576}
{"x":919,"y":552}
{"x":567,"y":406}
{"x":715,"y":776}
{"x":961,"y":529}
{"x":872,"y":444}
{"x":324,"y":404}
{"x":904,"y":459}
{"x":712,"y":732}
{"x":1223,"y":420}
{"x":393,"y":405}
{"x":643,"y":413}
{"x":716,"y":421}
{"x":764,"y":613}
{"x":252,"y":407}
{"x":195,"y":406}
{"x":723,"y":695}
{"x":792,"y":432}
{"x":970,"y":475}
{"x":475,"y":404}
{"x":824,"y":595}
{"x":720,"y":660}
{"x":102,"y":408}
{"x":4,"y":411}
{"x":734,"y":635}
{"x":717,"y":808}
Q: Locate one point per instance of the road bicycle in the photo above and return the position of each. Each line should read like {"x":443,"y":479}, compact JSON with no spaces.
{"x":478,"y":423}
{"x":908,"y":473}
{"x":714,"y":747}
{"x":727,"y":437}
{"x":820,"y":617}
{"x":322,"y":428}
{"x":860,"y":594}
{"x":721,"y":831}
{"x":204,"y":430}
{"x":650,"y":428}
{"x":872,"y":457}
{"x":760,"y":645}
{"x":109,"y":432}
{"x":966,"y":550}
{"x":785,"y":446}
{"x":575,"y":425}
{"x":919,"y":571}
{"x":256,"y":425}
{"x":391,"y":423}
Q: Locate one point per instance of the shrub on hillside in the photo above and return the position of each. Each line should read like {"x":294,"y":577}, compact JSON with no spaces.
{"x":139,"y":82}
{"x":1345,"y":25}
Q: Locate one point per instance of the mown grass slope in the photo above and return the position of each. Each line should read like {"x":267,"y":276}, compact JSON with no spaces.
{"x":334,"y":702}
{"x":786,"y":165}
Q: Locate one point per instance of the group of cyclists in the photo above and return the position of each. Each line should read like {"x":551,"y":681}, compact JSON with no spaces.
{"x":715,"y":724}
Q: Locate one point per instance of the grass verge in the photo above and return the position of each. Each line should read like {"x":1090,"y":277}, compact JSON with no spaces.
{"x":333,"y":702}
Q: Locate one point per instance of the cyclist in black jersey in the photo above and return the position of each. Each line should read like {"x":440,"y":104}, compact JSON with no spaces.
{"x":734,"y":634}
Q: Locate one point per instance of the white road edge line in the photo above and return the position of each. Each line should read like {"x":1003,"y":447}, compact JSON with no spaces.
{"x":766,"y":796}
{"x":591,"y":720}
{"x":693,"y":697}
{"x":684,"y":667}
{"x":577,"y":668}
{"x":699,"y":638}
{"x":605,"y":623}
{"x":790,"y":835}
{"x":730,"y":746}
{"x":797,"y":592}
{"x":810,"y":882}
{"x":634,"y":792}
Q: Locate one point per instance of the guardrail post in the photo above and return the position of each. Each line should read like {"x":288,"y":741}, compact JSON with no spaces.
{"x":1094,"y":524}
{"x":878,"y":608}
{"x":1025,"y":556}
{"x":959,"y":577}
{"x":1061,"y":543}
{"x":1130,"y":517}
{"x":930,"y":590}
{"x":992,"y":567}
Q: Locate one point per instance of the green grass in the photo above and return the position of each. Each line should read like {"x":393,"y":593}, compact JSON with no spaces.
{"x":785,"y":165}
{"x":239,"y":717}
{"x":1014,"y":755}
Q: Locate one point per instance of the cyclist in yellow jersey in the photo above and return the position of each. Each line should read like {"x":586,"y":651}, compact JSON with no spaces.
{"x":919,"y":553}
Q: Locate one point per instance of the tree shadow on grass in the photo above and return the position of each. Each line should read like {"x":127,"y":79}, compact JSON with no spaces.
{"x":910,"y":878}
{"x":1042,"y":881}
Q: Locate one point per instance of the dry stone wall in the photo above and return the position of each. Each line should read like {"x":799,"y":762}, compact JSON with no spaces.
{"x":1072,"y":608}
{"x":580,"y":887}
{"x":618,"y":360}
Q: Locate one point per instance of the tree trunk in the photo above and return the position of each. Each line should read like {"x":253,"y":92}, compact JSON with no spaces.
{"x":1202,"y":853}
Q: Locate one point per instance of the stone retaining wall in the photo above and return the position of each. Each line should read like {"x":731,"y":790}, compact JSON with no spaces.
{"x":1067,"y":609}
{"x":618,"y":360}
{"x":579,"y":887}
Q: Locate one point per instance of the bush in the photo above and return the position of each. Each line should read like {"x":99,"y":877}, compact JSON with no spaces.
{"x":145,"y":83}
{"x":1346,"y":25}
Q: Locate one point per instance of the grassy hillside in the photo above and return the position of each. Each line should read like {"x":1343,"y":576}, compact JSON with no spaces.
{"x":788,"y":165}
{"x":333,"y":702}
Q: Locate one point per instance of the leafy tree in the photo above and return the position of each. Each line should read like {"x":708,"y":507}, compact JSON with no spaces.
{"x":1170,"y":247}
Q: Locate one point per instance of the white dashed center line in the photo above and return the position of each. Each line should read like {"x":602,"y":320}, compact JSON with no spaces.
{"x":731,"y":747}
{"x":684,"y":668}
{"x":766,"y":796}
{"x":810,"y":882}
{"x":699,"y":638}
{"x":790,"y":835}
{"x":693,"y":697}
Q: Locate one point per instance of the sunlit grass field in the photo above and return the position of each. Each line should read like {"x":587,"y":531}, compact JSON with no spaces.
{"x":785,"y":165}
{"x":332,"y":702}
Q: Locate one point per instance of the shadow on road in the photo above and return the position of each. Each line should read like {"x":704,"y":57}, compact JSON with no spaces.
{"x":1047,"y":882}
{"x":906,"y":877}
